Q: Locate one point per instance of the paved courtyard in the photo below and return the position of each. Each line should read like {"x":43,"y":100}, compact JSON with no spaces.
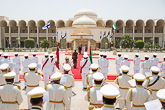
{"x":78,"y":101}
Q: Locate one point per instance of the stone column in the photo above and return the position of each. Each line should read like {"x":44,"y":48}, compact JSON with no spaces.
{"x":9,"y":36}
{"x":28,"y":32}
{"x":74,"y":47}
{"x":123,"y":30}
{"x":133,"y":33}
{"x":88,"y":45}
{"x":19,"y":35}
{"x":164,"y":37}
{"x":153,"y":35}
{"x":47,"y":34}
{"x":38,"y":36}
{"x":0,"y":37}
{"x":143,"y":32}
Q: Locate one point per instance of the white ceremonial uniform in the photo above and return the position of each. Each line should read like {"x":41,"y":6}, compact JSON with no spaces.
{"x":34,"y":60}
{"x":7,"y":61}
{"x":104,"y":65}
{"x":138,"y":96}
{"x":1,"y":58}
{"x":85,"y":70}
{"x":124,"y":86}
{"x":136,"y":62}
{"x":10,"y":93}
{"x":107,"y":107}
{"x":162,"y":67}
{"x":46,"y":70}
{"x":53,"y":66}
{"x":118,"y":64}
{"x":2,"y":79}
{"x":69,"y":84}
{"x":58,"y":97}
{"x":32,"y":80}
{"x":17,"y":64}
{"x":70,"y":63}
{"x":99,"y":63}
{"x":89,"y":79}
{"x":160,"y":84}
{"x":146,"y":65}
{"x":154,"y":61}
{"x":25,"y":64}
{"x":125,"y":62}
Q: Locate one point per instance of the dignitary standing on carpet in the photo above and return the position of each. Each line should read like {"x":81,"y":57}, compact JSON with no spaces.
{"x":136,"y":62}
{"x":10,"y":94}
{"x":75,"y":57}
{"x":118,"y":61}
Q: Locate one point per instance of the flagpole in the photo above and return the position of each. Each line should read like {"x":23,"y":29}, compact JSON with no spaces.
{"x":114,"y":50}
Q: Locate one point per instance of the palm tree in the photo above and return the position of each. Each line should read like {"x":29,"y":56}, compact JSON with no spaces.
{"x":44,"y":43}
{"x":127,"y":41}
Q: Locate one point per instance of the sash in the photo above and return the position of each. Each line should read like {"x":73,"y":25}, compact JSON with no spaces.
{"x":83,"y":65}
{"x":154,"y":81}
{"x":44,"y":63}
{"x":52,"y":60}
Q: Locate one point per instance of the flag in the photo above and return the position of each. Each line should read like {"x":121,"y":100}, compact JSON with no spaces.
{"x":53,"y":35}
{"x":114,"y":27}
{"x":90,"y":56}
{"x":100,"y":35}
{"x":108,"y":34}
{"x":46,"y":26}
{"x":112,"y":34}
{"x":104,"y":34}
{"x":57,"y":55}
{"x":64,"y":35}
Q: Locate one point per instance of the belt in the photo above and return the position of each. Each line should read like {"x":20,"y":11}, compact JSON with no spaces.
{"x":69,"y":87}
{"x":98,"y":105}
{"x":154,"y":89}
{"x":51,"y":101}
{"x":7,"y":102}
{"x":32,"y":85}
{"x":138,"y":105}
{"x":123,"y":88}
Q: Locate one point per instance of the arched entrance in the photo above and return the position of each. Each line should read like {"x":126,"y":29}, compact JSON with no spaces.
{"x":63,"y":43}
{"x":104,"y":43}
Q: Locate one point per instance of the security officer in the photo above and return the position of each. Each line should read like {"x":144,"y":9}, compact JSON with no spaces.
{"x":154,"y":60}
{"x":85,"y":64}
{"x":136,"y":62}
{"x":32,"y":79}
{"x":4,"y":68}
{"x":25,"y":64}
{"x":161,"y":95}
{"x":75,"y":57}
{"x":69,"y":79}
{"x":155,"y":82}
{"x":99,"y":60}
{"x":89,"y":76}
{"x":104,"y":65}
{"x":53,"y":66}
{"x":17,"y":64}
{"x":10,"y":94}
{"x":34,"y":59}
{"x":92,"y":90}
{"x":138,"y":95}
{"x":162,"y":67}
{"x":36,"y":98}
{"x":146,"y":65}
{"x":118,"y":63}
{"x":125,"y":61}
{"x":58,"y":97}
{"x":122,"y":82}
{"x":46,"y":68}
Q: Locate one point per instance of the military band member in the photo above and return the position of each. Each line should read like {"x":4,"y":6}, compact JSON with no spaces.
{"x":125,"y":61}
{"x":154,"y":60}
{"x":162,"y":67}
{"x":32,"y":79}
{"x":36,"y":98}
{"x":146,"y":65}
{"x":136,"y":62}
{"x":85,"y":64}
{"x":53,"y":66}
{"x":58,"y":97}
{"x":10,"y":94}
{"x":122,"y":82}
{"x":155,"y":82}
{"x":138,"y":95}
{"x":17,"y":66}
{"x":4,"y":68}
{"x":75,"y":57}
{"x":161,"y":95}
{"x":34,"y":59}
{"x":46,"y":68}
{"x":92,"y":90}
{"x":99,"y":60}
{"x":118,"y":63}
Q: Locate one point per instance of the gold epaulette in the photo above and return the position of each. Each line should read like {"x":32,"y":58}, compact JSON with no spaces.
{"x":124,"y":109}
{"x":147,"y":77}
{"x":24,"y":76}
{"x":46,"y":86}
{"x":88,"y":88}
{"x":149,"y":90}
{"x":19,"y":87}
{"x":164,"y":77}
{"x":65,"y":87}
{"x":73,"y":75}
{"x":91,"y":107}
{"x":117,"y":79}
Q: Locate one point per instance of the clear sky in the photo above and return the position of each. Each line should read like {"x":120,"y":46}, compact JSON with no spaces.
{"x":64,"y":9}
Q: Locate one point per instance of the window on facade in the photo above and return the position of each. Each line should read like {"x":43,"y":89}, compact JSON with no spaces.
{"x":117,"y":31}
{"x":140,"y":31}
{"x":31,"y":31}
{"x":52,"y":31}
{"x":149,"y":31}
{"x":35,"y":31}
{"x":135,"y":31}
{"x":23,"y":31}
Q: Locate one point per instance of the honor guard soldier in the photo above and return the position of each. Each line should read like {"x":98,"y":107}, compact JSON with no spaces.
{"x":85,"y":64}
{"x":161,"y":95}
{"x":122,"y":82}
{"x":146,"y":65}
{"x":125,"y":61}
{"x":46,"y":68}
{"x":67,"y":61}
{"x":3,"y":68}
{"x":136,"y":62}
{"x":17,"y":65}
{"x":138,"y":95}
{"x":75,"y":57}
{"x":10,"y":94}
{"x":89,"y":76}
{"x":32,"y":79}
{"x":155,"y":82}
{"x":1,"y":58}
{"x":99,"y":60}
{"x":118,"y":63}
{"x":36,"y":98}
{"x":68,"y":82}
{"x":6,"y":60}
{"x":104,"y":65}
{"x":154,"y":60}
{"x":34,"y":59}
{"x":25,"y":64}
{"x":53,"y":66}
{"x":162,"y":67}
{"x":58,"y":97}
{"x":92,"y":90}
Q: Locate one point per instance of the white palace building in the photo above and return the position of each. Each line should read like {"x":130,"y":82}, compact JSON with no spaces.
{"x":84,"y":28}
